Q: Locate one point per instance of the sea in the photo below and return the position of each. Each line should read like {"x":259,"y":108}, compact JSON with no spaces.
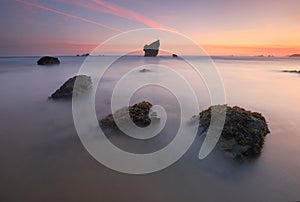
{"x":43,"y":159}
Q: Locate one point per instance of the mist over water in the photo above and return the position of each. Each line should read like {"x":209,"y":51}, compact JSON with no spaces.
{"x":42,"y":158}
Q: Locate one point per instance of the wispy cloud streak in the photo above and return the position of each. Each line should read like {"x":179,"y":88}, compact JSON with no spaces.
{"x":112,"y":9}
{"x":68,"y":15}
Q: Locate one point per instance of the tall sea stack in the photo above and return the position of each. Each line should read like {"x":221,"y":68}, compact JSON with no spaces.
{"x":152,"y":49}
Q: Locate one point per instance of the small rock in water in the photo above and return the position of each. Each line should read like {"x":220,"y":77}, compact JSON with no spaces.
{"x":144,"y":70}
{"x":139,"y":113}
{"x":47,"y":60}
{"x":243,"y":133}
{"x":83,"y":83}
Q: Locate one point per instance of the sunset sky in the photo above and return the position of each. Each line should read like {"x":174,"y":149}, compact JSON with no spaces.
{"x":221,"y":27}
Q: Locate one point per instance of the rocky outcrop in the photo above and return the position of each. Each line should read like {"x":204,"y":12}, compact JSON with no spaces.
{"x":83,"y":83}
{"x":47,"y":60}
{"x":139,"y":113}
{"x":152,"y":49}
{"x":243,"y":133}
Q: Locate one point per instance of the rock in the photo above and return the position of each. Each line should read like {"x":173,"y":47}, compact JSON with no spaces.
{"x":152,"y":49}
{"x":294,"y":55}
{"x":140,"y":113}
{"x":174,"y":55}
{"x":292,"y":71}
{"x":83,"y":83}
{"x":243,"y":133}
{"x":47,"y":60}
{"x":144,"y":70}
{"x":83,"y":55}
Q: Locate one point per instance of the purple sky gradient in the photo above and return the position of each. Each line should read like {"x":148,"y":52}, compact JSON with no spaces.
{"x":68,"y":27}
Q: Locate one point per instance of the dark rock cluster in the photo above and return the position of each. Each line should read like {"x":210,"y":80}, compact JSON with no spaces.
{"x":243,"y":133}
{"x":242,"y":136}
{"x":139,"y":114}
{"x":83,"y":83}
{"x":83,"y":55}
{"x":47,"y":60}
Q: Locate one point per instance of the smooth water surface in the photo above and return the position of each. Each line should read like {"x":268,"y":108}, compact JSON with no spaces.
{"x":42,"y":158}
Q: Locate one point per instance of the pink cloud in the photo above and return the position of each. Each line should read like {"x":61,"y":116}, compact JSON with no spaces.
{"x":109,"y":8}
{"x":68,"y":15}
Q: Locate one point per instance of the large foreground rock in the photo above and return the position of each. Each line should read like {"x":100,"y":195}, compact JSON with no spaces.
{"x":152,"y":49}
{"x":83,"y":83}
{"x":139,"y":113}
{"x":243,"y":133}
{"x":47,"y":60}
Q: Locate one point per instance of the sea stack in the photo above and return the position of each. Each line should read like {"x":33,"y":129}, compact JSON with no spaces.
{"x":152,"y":49}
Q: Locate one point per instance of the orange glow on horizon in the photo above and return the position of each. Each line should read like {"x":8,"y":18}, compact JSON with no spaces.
{"x":74,"y":48}
{"x":252,"y":50}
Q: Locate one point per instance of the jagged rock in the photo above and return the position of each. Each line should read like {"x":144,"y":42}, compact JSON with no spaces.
{"x":152,"y":49}
{"x":243,"y":133}
{"x":139,"y":113}
{"x":83,"y":83}
{"x":47,"y":60}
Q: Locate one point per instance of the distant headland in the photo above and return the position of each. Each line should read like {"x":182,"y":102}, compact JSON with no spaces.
{"x":294,"y":55}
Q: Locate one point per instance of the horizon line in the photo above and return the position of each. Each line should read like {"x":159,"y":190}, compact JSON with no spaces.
{"x":135,"y":55}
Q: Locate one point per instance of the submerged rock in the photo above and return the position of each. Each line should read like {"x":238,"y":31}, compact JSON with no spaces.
{"x":139,"y":113}
{"x":152,"y":49}
{"x":47,"y":60}
{"x":83,"y":83}
{"x":243,"y":133}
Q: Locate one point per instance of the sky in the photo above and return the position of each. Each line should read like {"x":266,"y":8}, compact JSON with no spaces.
{"x":220,"y":27}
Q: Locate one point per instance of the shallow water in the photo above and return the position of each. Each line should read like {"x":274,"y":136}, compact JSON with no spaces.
{"x":42,"y":158}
